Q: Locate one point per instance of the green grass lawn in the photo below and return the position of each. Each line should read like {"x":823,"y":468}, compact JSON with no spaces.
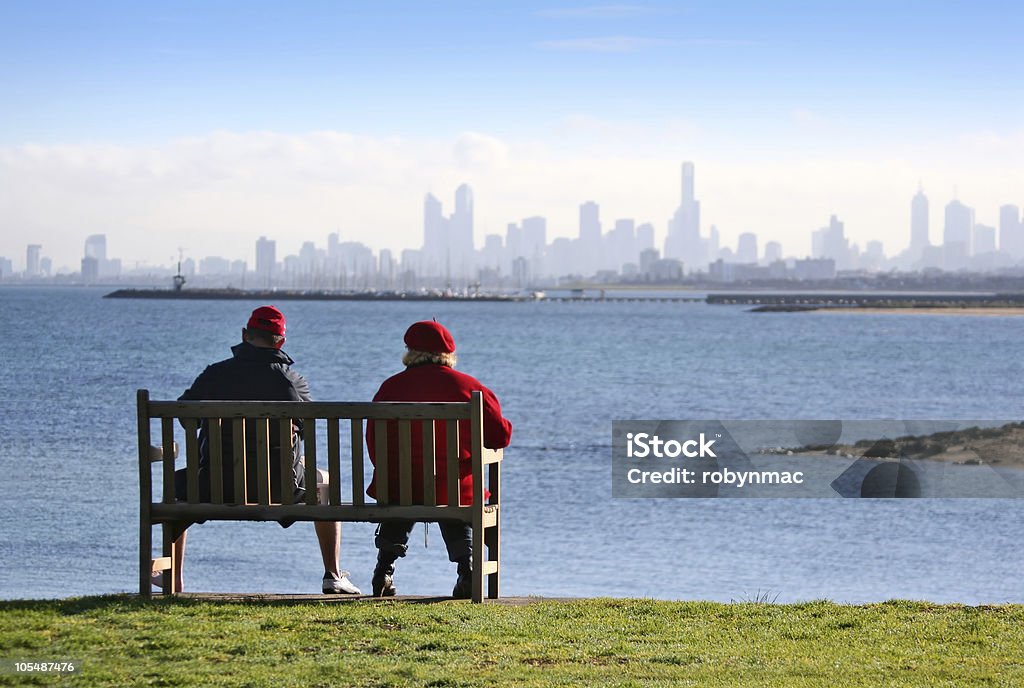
{"x":126,"y":641}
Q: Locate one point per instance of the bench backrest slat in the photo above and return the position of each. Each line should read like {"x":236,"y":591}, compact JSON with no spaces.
{"x":404,"y":463}
{"x":285,"y":478}
{"x":452,"y":463}
{"x":334,"y":459}
{"x":429,"y":467}
{"x":192,"y":459}
{"x":318,"y":409}
{"x":216,"y":461}
{"x":263,"y":460}
{"x":241,"y":481}
{"x":167,"y":437}
{"x":358,"y":498}
{"x":309,"y":448}
{"x":380,"y":437}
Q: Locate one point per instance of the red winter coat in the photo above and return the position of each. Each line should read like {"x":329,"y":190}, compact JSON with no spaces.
{"x":436,"y":383}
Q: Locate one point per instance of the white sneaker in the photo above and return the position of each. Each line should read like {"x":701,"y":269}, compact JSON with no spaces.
{"x":342,"y":585}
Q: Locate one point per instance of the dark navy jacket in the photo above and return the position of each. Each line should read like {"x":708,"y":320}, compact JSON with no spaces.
{"x":251,"y":374}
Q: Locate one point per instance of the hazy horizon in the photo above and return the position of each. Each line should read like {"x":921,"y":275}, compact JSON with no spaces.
{"x":205,"y":126}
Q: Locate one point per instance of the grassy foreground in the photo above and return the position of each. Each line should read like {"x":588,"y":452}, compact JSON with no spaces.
{"x":125,"y":641}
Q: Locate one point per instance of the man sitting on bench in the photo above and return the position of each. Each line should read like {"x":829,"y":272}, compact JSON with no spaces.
{"x":258,"y":370}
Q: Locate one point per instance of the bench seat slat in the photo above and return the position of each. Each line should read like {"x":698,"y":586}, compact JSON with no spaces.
{"x":335,"y":512}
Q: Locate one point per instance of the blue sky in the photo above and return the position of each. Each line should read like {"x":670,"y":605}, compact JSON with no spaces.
{"x":724,"y":83}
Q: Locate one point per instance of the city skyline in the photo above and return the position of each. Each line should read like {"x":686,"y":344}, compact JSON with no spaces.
{"x":204,"y":126}
{"x":603,"y":250}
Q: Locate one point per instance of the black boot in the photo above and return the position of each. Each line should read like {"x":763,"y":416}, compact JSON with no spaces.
{"x":382,"y":583}
{"x":463,"y":589}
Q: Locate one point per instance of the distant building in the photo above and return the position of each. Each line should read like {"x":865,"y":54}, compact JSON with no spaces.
{"x":772,"y":252}
{"x":266,"y":261}
{"x":90,"y":270}
{"x":746,"y":248}
{"x":831,"y":242}
{"x":590,"y":238}
{"x":6,"y":268}
{"x":919,"y":226}
{"x":814,"y":269}
{"x":32,"y":255}
{"x":683,"y":240}
{"x":648,"y":257}
{"x":666,"y":270}
{"x":214,"y":265}
{"x":957,"y":234}
{"x":984,"y":239}
{"x":1011,"y":232}
{"x":644,"y":237}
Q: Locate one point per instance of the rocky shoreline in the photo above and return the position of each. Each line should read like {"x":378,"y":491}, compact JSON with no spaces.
{"x":1003,"y":446}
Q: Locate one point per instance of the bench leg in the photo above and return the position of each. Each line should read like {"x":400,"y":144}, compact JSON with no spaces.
{"x":492,"y":537}
{"x":479,"y":556}
{"x":145,"y":559}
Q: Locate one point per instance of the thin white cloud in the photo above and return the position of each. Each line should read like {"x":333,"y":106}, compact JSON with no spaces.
{"x":604,"y":44}
{"x":601,"y":11}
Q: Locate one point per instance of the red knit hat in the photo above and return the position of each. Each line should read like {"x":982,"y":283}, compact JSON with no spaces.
{"x":268,"y":319}
{"x":429,"y":336}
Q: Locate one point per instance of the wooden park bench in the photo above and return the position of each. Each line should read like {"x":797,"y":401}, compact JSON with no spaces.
{"x":333,"y":419}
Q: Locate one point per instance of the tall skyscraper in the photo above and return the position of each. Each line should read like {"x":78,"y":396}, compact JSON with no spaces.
{"x":831,"y":242}
{"x":919,"y":224}
{"x":684,"y":240}
{"x":534,"y":243}
{"x":645,"y":236}
{"x":1011,"y":232}
{"x":746,"y":249}
{"x":957,"y":233}
{"x":984,"y":239}
{"x":266,"y":260}
{"x":460,"y":236}
{"x":589,"y":257}
{"x":32,"y":260}
{"x":94,"y":259}
{"x":96,"y":247}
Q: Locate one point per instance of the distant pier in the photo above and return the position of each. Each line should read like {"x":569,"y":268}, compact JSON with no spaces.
{"x":792,"y":301}
{"x":762,"y":301}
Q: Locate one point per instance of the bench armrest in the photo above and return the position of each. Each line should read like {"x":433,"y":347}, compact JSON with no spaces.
{"x":492,"y":456}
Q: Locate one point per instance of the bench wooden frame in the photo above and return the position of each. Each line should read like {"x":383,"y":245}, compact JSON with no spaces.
{"x":166,"y":511}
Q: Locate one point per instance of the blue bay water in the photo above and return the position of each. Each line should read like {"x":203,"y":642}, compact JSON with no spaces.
{"x":563,"y":372}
